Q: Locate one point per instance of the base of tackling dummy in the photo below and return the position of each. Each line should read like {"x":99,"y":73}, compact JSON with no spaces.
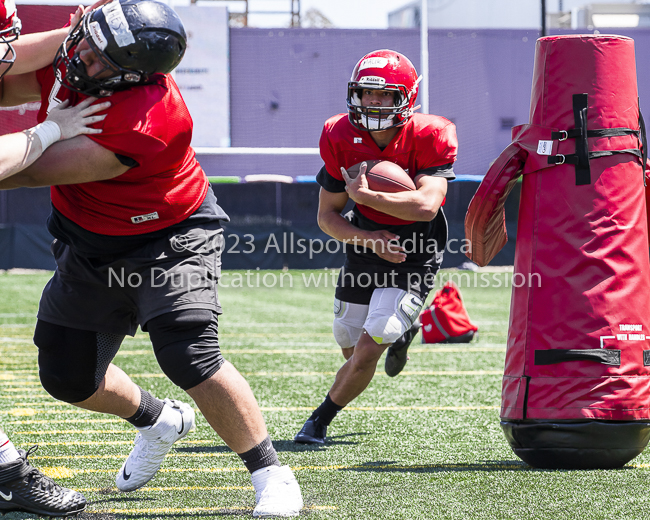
{"x":587,"y":444}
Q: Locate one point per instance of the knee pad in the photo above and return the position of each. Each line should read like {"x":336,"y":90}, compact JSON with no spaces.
{"x":348,"y":322}
{"x":391,"y":313}
{"x":71,"y":362}
{"x":186,"y":345}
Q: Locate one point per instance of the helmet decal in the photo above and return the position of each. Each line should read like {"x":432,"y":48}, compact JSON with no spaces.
{"x":373,"y":63}
{"x":97,"y":35}
{"x":372,"y":81}
{"x":117,"y":24}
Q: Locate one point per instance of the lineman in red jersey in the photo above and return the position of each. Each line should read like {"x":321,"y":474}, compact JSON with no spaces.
{"x":394,"y":241}
{"x":138,"y":242}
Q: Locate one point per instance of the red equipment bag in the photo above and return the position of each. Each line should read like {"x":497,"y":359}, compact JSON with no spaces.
{"x":446,"y":319}
{"x":576,"y":386}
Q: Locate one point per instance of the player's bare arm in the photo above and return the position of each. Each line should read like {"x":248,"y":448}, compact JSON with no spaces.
{"x":23,"y":148}
{"x":92,"y":163}
{"x":421,"y":205}
{"x":330,"y":220}
{"x":16,"y":90}
{"x":35,"y":51}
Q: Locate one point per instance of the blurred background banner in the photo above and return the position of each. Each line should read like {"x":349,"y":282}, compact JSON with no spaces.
{"x":203,"y":76}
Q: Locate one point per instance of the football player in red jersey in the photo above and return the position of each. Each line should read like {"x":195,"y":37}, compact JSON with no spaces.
{"x":138,"y":243}
{"x":24,"y":488}
{"x":394,"y":241}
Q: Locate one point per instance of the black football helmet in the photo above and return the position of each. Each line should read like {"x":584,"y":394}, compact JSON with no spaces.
{"x":133,"y":38}
{"x":10,"y":27}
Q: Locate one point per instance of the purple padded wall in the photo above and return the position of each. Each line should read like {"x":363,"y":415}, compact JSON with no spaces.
{"x":286,"y":82}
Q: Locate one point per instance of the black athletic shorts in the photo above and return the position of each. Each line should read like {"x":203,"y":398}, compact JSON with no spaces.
{"x":364,"y":271}
{"x":114,"y":294}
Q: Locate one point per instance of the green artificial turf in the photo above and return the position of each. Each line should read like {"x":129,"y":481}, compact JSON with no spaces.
{"x":424,"y":445}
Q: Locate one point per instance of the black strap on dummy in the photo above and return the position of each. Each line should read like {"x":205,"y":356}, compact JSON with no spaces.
{"x":583,"y":172}
{"x":606,"y":356}
{"x":601,"y":132}
{"x":573,"y":159}
{"x":580,"y":133}
{"x":644,"y":144}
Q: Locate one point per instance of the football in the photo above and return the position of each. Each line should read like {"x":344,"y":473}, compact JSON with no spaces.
{"x":384,"y":176}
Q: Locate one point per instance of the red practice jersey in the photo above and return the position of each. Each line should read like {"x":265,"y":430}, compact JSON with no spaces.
{"x":151,"y":125}
{"x":425,"y":141}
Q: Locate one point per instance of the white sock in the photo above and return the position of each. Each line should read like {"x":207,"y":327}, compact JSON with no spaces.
{"x":8,"y":452}
{"x":262,"y":476}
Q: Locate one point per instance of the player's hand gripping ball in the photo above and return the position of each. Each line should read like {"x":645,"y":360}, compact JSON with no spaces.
{"x":384,"y":176}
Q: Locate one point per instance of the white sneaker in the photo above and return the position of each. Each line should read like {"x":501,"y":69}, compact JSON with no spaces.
{"x":152,"y":443}
{"x":277,"y":492}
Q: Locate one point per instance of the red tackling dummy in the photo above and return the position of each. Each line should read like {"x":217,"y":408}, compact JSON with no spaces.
{"x":578,"y":348}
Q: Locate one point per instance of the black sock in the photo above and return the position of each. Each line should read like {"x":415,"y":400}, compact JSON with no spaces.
{"x":148,"y":412}
{"x":261,"y":456}
{"x":326,"y":411}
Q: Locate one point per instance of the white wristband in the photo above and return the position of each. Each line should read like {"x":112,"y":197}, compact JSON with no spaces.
{"x":48,"y":132}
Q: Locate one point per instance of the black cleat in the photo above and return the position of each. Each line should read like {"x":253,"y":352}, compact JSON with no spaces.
{"x":312,"y":432}
{"x":24,"y":488}
{"x":396,"y":357}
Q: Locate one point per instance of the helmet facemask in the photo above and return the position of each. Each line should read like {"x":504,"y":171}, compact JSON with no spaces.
{"x":7,"y":36}
{"x":376,"y":118}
